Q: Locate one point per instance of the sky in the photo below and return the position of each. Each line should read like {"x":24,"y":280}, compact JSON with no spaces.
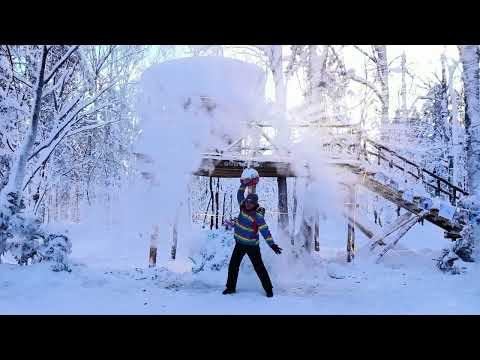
{"x":423,"y":60}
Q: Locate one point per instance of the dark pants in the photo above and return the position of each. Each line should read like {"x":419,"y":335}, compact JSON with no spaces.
{"x":253,"y":253}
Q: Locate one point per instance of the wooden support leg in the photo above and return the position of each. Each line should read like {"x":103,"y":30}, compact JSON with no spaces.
{"x":223,"y":209}
{"x":152,"y":260}
{"x":316,"y":234}
{"x":307,"y":233}
{"x":173,"y":252}
{"x":174,"y":242}
{"x":216,"y":203}
{"x":213,"y":203}
{"x":282,"y":203}
{"x":399,"y":234}
{"x":294,"y":215}
{"x":350,"y":226}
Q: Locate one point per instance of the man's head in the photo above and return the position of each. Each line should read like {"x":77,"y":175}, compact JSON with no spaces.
{"x":251,"y":201}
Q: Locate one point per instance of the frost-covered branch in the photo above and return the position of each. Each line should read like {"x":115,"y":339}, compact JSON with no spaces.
{"x":365,"y":53}
{"x":365,"y":82}
{"x":60,"y":62}
{"x":66,"y":125}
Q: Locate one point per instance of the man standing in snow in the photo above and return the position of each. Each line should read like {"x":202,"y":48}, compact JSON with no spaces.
{"x":249,"y":222}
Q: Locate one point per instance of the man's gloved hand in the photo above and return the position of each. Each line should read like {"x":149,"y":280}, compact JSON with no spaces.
{"x":245,"y":181}
{"x":250,"y":182}
{"x":277,"y":249}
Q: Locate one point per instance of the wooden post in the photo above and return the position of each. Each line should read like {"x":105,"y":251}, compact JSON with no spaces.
{"x":223,"y":207}
{"x":152,"y":260}
{"x":173,"y":252}
{"x":454,"y":196}
{"x":307,"y":232}
{"x":282,"y":203}
{"x":189,"y":203}
{"x":206,"y":212}
{"x":316,"y":234}
{"x":213,"y":205}
{"x":351,"y":228}
{"x":294,"y":215}
{"x":216,"y":202}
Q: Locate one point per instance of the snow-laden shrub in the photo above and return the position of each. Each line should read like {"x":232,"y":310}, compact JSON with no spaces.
{"x":464,"y":248}
{"x":446,"y":262}
{"x":26,"y":239}
{"x":37,"y":248}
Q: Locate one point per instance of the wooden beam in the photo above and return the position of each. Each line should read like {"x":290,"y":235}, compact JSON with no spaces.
{"x":234,"y":168}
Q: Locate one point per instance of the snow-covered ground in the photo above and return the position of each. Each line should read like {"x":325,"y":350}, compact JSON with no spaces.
{"x":114,"y":279}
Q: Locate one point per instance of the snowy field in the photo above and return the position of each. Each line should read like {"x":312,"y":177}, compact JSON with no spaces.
{"x":112,"y":280}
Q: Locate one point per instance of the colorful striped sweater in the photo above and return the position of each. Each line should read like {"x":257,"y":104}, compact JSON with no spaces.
{"x":245,"y":232}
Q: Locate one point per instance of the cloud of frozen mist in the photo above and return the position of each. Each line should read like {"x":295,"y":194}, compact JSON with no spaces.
{"x":188,"y":107}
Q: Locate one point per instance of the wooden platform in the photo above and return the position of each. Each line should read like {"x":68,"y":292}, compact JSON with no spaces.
{"x":218,"y":166}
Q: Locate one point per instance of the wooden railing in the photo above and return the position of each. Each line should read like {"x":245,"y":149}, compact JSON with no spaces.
{"x":395,"y":160}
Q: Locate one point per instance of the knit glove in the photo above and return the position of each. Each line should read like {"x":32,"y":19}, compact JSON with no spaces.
{"x":277,"y":249}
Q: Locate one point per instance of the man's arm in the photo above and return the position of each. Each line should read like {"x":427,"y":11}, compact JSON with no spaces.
{"x":263,"y":228}
{"x":241,"y":193}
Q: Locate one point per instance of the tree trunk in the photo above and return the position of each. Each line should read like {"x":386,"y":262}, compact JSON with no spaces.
{"x":403,"y":91}
{"x":15,"y":183}
{"x":382,"y":74}
{"x":455,"y":140}
{"x":280,"y":93}
{"x":469,"y":57}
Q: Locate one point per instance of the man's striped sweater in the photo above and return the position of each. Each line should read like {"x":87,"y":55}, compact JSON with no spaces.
{"x":249,"y":223}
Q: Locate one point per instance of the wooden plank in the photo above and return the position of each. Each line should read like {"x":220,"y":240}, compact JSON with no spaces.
{"x":367,"y":232}
{"x":390,"y":229}
{"x":234,"y":168}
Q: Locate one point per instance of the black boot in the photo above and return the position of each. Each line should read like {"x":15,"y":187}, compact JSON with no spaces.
{"x":228,"y":291}
{"x":269,"y":293}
